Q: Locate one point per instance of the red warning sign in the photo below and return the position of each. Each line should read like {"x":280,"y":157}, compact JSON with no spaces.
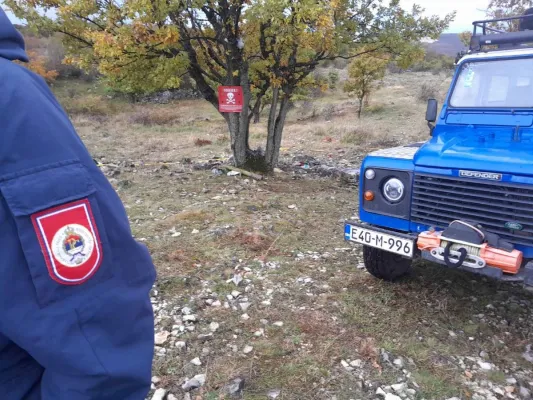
{"x":230,"y":99}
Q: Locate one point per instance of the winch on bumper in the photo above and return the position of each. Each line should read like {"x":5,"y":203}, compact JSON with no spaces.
{"x":462,"y":245}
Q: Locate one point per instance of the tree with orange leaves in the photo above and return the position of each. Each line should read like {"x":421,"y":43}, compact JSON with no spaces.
{"x":37,"y":64}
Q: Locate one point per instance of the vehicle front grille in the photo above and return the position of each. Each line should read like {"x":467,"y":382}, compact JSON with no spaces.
{"x":439,"y":200}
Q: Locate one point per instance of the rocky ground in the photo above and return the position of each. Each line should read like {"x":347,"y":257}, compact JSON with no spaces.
{"x":259,"y":297}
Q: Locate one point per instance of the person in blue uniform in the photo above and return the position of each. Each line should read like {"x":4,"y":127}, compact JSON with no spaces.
{"x":76,"y":322}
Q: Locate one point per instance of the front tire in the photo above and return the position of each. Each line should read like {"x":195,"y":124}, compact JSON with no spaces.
{"x":385,"y":265}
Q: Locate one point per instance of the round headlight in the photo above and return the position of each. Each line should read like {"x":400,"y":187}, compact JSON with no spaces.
{"x":393,"y":190}
{"x":370,"y":174}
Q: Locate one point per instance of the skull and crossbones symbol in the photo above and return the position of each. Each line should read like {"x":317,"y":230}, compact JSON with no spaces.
{"x":230,"y":99}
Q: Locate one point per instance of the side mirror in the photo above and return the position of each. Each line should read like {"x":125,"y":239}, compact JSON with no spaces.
{"x":431,"y":111}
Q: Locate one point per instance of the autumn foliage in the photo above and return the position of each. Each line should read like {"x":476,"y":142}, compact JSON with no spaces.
{"x":37,"y":64}
{"x":268,"y":47}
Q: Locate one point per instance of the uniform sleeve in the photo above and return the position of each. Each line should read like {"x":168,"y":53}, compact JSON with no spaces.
{"x":75,"y":284}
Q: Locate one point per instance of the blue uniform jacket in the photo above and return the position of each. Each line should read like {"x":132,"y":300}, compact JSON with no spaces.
{"x":76,"y":321}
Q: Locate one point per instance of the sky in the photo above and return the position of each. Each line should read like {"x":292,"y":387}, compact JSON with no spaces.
{"x":467,"y":11}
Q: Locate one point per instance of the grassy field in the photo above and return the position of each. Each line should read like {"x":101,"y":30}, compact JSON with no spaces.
{"x":305,"y":321}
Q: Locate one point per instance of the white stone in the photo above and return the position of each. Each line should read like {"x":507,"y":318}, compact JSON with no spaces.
{"x":273,"y":394}
{"x":399,"y":387}
{"x":525,"y":393}
{"x":245,"y":306}
{"x":259,"y":333}
{"x":156,"y":380}
{"x":390,"y":396}
{"x":485,"y":365}
{"x":511,"y":381}
{"x":278,"y":323}
{"x":216,"y":303}
{"x":159,"y":394}
{"x":196,"y":361}
{"x":189,"y":318}
{"x":381,"y":392}
{"x":247,"y":349}
{"x":172,"y":397}
{"x":213,"y":326}
{"x":186,"y":311}
{"x":237,"y":279}
{"x":194,"y":383}
{"x":195,"y":231}
{"x":181,"y":344}
{"x":356,"y":363}
{"x":398,"y":362}
{"x":235,"y":293}
{"x":245,"y":317}
{"x":161,"y":337}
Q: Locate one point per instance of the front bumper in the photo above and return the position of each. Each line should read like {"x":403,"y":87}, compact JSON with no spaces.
{"x":524,"y":274}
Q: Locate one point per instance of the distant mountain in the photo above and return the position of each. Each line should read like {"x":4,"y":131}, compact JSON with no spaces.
{"x":448,"y":44}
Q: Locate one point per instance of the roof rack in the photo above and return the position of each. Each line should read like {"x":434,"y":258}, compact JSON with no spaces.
{"x":499,"y":39}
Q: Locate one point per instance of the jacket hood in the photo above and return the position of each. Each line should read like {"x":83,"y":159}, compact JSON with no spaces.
{"x":11,"y":41}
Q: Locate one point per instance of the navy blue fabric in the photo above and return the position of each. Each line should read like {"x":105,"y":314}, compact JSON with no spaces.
{"x":92,"y":341}
{"x":11,"y":42}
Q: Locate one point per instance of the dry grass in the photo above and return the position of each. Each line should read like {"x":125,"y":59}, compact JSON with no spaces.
{"x":149,"y":116}
{"x":92,"y":105}
{"x":253,"y":241}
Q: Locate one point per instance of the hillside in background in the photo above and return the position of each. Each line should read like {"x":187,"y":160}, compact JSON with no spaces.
{"x":448,"y":44}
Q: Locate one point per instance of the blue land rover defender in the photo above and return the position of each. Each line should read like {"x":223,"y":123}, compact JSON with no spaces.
{"x":464,"y":198}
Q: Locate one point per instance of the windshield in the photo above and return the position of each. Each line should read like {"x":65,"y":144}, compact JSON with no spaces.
{"x":495,"y":84}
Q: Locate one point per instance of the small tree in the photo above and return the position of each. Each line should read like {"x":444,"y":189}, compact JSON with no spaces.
{"x":37,"y":64}
{"x":333,"y":78}
{"x":465,"y":37}
{"x":364,"y":72}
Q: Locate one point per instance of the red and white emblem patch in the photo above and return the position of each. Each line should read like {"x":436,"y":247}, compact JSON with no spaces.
{"x":69,"y":241}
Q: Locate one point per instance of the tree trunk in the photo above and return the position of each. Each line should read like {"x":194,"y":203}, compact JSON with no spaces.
{"x":238,"y":137}
{"x":360,"y":111}
{"x":276,"y":122}
{"x":239,"y":123}
{"x":257,"y":112}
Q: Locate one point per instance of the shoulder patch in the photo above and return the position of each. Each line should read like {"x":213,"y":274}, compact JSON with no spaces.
{"x":69,"y":242}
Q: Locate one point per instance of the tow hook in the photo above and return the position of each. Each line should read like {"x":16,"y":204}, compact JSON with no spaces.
{"x":457,"y":258}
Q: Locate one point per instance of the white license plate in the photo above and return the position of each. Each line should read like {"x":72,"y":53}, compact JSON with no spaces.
{"x":384,"y":241}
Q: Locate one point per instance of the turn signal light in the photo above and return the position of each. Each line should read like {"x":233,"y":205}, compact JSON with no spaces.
{"x":369,"y":195}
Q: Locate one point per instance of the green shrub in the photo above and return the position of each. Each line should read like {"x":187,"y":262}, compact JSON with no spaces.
{"x":355,"y":136}
{"x":333,"y":78}
{"x":427,"y":91}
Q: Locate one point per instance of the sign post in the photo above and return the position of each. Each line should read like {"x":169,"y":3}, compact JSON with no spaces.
{"x":230,"y":99}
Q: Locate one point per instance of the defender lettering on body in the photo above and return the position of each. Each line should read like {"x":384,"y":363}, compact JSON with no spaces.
{"x":480,"y":175}
{"x":463,"y":198}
